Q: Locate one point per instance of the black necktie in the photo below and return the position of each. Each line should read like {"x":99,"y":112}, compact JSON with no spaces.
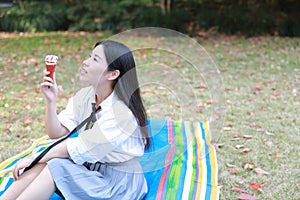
{"x":91,"y":122}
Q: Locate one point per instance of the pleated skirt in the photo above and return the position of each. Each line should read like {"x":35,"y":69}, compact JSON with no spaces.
{"x":98,"y":181}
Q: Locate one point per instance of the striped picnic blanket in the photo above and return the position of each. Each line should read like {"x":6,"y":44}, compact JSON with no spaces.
{"x":180,"y":164}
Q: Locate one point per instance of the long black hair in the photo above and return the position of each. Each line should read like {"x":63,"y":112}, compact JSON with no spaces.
{"x":126,"y":86}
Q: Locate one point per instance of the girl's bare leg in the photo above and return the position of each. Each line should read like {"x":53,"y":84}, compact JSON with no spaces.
{"x":22,"y":183}
{"x":42,"y":187}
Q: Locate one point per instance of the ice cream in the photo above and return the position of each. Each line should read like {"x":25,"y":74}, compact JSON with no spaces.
{"x":51,"y":62}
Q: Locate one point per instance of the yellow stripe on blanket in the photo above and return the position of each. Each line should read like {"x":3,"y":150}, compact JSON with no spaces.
{"x":8,"y":164}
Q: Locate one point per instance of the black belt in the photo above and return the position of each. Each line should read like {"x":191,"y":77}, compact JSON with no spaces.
{"x":93,"y":166}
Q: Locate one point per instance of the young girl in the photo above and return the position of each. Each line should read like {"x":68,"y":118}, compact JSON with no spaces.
{"x":101,"y":163}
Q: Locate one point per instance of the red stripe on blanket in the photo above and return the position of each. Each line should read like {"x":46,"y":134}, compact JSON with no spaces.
{"x":168,"y":162}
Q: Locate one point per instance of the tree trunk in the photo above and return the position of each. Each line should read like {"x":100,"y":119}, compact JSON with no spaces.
{"x":169,"y":6}
{"x":165,"y":6}
{"x":21,"y":4}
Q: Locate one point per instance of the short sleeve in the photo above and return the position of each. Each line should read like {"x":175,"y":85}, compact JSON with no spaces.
{"x":67,"y":116}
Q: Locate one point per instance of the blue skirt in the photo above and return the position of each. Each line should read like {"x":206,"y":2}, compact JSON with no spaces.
{"x":101,"y":181}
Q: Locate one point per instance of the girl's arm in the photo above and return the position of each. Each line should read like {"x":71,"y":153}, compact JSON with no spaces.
{"x":59,"y":151}
{"x":53,"y":126}
{"x":54,"y":129}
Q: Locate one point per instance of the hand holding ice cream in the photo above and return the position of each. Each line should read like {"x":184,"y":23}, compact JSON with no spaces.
{"x":49,"y":87}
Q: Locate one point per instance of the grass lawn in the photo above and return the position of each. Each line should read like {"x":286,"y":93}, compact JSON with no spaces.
{"x":258,"y":147}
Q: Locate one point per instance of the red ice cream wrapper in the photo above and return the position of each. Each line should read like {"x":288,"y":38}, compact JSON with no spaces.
{"x":51,"y":62}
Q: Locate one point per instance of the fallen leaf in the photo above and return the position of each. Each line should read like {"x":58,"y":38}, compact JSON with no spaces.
{"x":221,"y":187}
{"x":238,"y":189}
{"x":238,"y":146}
{"x":27,"y":120}
{"x":269,"y":143}
{"x":37,"y":69}
{"x":209,"y":101}
{"x":230,"y":165}
{"x":233,"y":171}
{"x":218,"y":146}
{"x":256,"y":186}
{"x":257,"y":89}
{"x":20,"y":135}
{"x":260,"y":130}
{"x":227,"y":128}
{"x":40,"y":118}
{"x":294,"y":91}
{"x":264,"y":183}
{"x":223,"y":69}
{"x":29,"y":106}
{"x":268,"y":133}
{"x":37,"y":90}
{"x":46,"y":41}
{"x":245,"y":150}
{"x":275,"y":154}
{"x":261,"y":171}
{"x":248,"y":166}
{"x":247,"y":136}
{"x":236,"y":138}
{"x":145,"y":91}
{"x":202,"y":86}
{"x":245,"y":196}
{"x":251,"y":124}
{"x":7,"y":127}
{"x":78,"y":58}
{"x":251,"y":113}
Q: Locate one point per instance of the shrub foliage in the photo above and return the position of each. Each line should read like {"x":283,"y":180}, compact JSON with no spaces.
{"x":247,"y":17}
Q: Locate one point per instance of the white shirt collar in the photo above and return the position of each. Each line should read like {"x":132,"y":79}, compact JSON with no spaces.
{"x":108,"y":102}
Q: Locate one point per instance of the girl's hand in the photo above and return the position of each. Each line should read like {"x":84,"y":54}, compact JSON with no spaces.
{"x":21,"y":165}
{"x":49,"y":87}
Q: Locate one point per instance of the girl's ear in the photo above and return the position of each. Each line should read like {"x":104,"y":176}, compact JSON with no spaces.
{"x":114,"y":75}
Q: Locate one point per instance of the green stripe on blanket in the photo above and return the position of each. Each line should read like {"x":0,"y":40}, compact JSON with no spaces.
{"x":181,"y":163}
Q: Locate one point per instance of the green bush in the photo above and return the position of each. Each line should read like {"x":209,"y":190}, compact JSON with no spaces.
{"x":188,"y":16}
{"x":236,"y":19}
{"x":36,"y":16}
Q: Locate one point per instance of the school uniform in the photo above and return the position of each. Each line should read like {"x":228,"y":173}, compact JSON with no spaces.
{"x":103,"y":160}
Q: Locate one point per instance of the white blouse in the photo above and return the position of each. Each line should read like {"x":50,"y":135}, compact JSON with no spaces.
{"x":115,"y":136}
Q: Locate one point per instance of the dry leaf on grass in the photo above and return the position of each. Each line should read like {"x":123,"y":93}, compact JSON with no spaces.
{"x":261,"y":171}
{"x":238,"y":189}
{"x":256,"y":186}
{"x":245,"y":196}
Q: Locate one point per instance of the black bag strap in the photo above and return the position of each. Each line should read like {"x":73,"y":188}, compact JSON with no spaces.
{"x":90,"y":119}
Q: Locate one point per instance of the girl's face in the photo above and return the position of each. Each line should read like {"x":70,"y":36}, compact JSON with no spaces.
{"x":94,"y":69}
